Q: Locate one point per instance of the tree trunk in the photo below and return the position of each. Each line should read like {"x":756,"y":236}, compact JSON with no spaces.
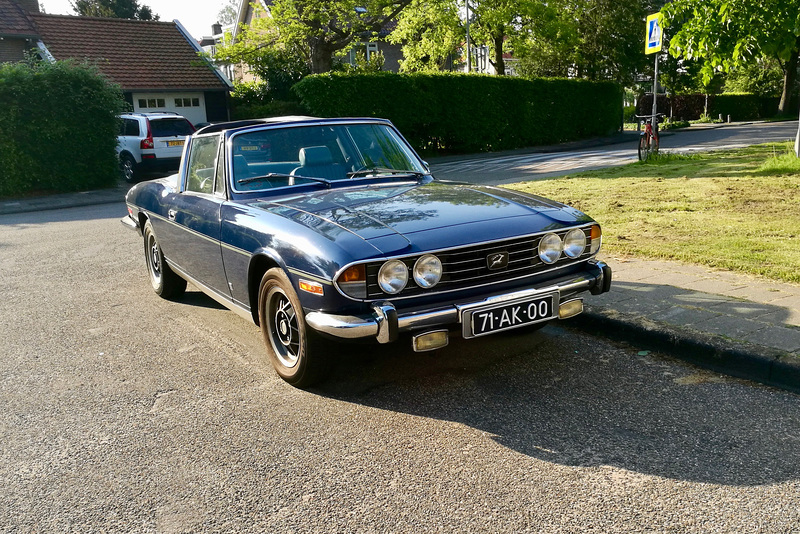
{"x":499,"y":62}
{"x":789,"y":79}
{"x":321,"y":56}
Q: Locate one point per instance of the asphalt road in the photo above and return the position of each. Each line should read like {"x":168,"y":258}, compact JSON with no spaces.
{"x":123,"y":412}
{"x":523,"y":165}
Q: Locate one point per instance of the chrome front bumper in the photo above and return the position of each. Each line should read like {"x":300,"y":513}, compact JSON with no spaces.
{"x":384,"y":323}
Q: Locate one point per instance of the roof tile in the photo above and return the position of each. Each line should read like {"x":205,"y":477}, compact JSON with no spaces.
{"x":14,"y":21}
{"x":136,"y":54}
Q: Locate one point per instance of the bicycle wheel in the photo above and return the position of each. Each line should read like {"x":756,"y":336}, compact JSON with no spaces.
{"x":644,"y":147}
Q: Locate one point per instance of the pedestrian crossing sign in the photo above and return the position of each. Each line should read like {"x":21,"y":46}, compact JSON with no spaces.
{"x":652,"y":43}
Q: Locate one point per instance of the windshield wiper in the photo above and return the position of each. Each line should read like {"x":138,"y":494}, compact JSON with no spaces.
{"x":283,"y":175}
{"x":383,"y":170}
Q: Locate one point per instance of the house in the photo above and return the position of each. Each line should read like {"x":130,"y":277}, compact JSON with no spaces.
{"x":156,"y":64}
{"x":18,"y":33}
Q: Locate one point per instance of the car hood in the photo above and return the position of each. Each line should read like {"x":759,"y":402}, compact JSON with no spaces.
{"x":434,"y":215}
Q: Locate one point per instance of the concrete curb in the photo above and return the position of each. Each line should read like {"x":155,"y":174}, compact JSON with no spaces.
{"x":742,"y":360}
{"x":64,"y":200}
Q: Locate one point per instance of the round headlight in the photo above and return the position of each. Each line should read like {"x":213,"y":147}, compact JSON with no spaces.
{"x":427,"y":271}
{"x":550,"y":248}
{"x":574,"y":243}
{"x":393,"y":276}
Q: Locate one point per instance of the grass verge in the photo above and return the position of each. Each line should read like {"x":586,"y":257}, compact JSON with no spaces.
{"x":737,"y":210}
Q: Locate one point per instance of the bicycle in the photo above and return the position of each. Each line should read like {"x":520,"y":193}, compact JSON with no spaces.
{"x":648,"y":139}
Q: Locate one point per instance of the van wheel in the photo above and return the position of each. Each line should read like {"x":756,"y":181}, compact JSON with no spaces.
{"x":127,"y":166}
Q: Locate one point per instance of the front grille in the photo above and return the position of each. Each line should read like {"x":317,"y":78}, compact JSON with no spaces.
{"x":467,"y":266}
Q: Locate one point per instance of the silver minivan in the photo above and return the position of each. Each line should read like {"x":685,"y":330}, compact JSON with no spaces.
{"x":151,"y":142}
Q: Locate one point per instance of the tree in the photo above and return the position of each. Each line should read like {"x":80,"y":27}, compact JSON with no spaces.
{"x":227,"y":15}
{"x":121,"y":9}
{"x":430,"y":32}
{"x":726,"y":35}
{"x":593,"y":39}
{"x":318,"y":30}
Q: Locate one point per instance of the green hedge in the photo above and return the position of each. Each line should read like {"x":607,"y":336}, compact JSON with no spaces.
{"x":740,"y":106}
{"x":58,"y":128}
{"x":469,"y":113}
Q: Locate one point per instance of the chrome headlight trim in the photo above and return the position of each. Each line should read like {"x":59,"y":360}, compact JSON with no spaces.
{"x":574,"y":243}
{"x":393,"y":277}
{"x":550,"y":248}
{"x":427,"y":271}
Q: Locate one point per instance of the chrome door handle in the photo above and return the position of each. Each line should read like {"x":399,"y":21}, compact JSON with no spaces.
{"x":171,"y":214}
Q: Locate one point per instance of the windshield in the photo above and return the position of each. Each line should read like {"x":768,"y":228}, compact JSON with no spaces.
{"x":285,"y":156}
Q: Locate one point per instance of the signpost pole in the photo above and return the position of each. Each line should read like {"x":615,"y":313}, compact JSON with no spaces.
{"x":469,"y":52}
{"x":655,"y":95}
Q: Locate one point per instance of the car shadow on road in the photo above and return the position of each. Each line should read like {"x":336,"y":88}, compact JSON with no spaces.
{"x":563,"y":397}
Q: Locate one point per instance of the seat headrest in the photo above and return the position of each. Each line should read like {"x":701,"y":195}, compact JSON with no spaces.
{"x":313,"y":156}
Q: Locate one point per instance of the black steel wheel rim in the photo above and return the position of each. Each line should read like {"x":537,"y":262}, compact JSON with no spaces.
{"x":284,"y":328}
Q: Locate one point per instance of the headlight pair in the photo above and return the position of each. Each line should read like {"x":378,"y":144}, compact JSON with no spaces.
{"x":393,"y":275}
{"x":551,"y":246}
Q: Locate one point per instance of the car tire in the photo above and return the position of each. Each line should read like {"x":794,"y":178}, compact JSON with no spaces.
{"x":293,"y":348}
{"x":127,"y":167}
{"x":165,"y":282}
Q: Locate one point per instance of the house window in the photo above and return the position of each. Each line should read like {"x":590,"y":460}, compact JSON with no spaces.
{"x":368,"y":49}
{"x":187,"y":102}
{"x":152,"y":103}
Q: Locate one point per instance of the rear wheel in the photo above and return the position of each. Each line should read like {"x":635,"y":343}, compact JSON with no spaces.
{"x":294,"y":349}
{"x":127,"y":166}
{"x":644,"y":147}
{"x":165,"y":282}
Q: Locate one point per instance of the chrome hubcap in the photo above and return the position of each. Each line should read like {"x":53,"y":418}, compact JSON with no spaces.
{"x":155,"y":259}
{"x":285,"y":332}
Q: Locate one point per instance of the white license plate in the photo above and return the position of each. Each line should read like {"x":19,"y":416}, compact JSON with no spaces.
{"x":491,"y":319}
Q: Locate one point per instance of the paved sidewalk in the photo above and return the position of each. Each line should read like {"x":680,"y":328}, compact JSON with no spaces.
{"x":734,"y":323}
{"x":728,"y":322}
{"x":65,"y":200}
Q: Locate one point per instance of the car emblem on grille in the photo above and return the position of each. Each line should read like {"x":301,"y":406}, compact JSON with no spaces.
{"x":497,"y":260}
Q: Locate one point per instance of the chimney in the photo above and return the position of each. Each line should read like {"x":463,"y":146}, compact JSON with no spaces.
{"x":31,"y":6}
{"x":216,"y":29}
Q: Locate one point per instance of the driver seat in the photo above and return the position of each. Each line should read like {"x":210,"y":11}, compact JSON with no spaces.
{"x":317,"y":161}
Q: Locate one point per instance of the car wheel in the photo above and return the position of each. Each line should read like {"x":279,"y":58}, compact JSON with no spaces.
{"x":294,"y":349}
{"x":127,"y":166}
{"x":165,"y":282}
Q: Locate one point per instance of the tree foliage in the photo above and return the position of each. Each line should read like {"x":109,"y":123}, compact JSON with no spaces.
{"x":592,"y":39}
{"x":729,"y":34}
{"x":121,"y":9}
{"x":430,"y":32}
{"x":317,"y":30}
{"x":227,"y":15}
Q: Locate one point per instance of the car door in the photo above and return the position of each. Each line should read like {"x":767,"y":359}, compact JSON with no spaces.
{"x":192,"y":239}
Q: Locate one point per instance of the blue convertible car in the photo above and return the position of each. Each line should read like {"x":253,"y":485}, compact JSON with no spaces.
{"x":319,"y":229}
